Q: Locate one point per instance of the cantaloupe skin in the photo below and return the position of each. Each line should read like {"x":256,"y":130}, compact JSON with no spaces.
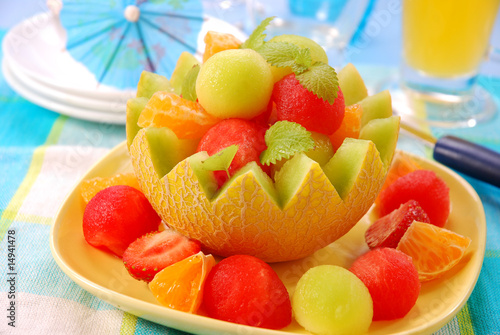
{"x":242,"y":218}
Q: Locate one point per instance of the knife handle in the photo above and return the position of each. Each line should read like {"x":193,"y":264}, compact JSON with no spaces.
{"x":469,"y":158}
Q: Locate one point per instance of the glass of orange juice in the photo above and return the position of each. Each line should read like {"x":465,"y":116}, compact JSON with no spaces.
{"x":444,"y":43}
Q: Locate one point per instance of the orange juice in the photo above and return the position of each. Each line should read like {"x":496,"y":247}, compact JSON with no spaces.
{"x":447,"y":38}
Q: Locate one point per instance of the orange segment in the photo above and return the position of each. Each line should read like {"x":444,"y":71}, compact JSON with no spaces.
{"x":187,"y":119}
{"x":350,"y":127}
{"x":402,"y":164}
{"x":216,"y":42}
{"x":434,"y":250}
{"x":180,"y":285}
{"x":90,"y":187}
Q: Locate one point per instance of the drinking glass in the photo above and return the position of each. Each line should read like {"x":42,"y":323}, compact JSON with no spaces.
{"x":331,"y":23}
{"x":444,"y":43}
{"x":231,"y":11}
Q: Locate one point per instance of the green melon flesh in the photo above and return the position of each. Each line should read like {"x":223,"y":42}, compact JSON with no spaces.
{"x":261,"y":177}
{"x":344,"y":167}
{"x":352,"y":85}
{"x":205,"y":177}
{"x":316,"y":51}
{"x":166,"y":149}
{"x":150,"y":83}
{"x":185,"y":63}
{"x":384,"y":133}
{"x":322,"y":152}
{"x":331,"y":300}
{"x":134,"y":109}
{"x":290,"y":177}
{"x":377,"y":106}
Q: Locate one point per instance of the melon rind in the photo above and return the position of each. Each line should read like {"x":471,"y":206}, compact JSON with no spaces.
{"x":144,"y":170}
{"x":243,"y":218}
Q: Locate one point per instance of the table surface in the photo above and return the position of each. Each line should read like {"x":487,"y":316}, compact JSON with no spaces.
{"x":44,"y":154}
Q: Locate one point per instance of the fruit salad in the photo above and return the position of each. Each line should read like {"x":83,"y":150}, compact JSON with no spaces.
{"x":263,"y":153}
{"x":238,"y":152}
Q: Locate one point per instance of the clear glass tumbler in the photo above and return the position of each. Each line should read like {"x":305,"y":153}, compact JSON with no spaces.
{"x":331,"y":23}
{"x":444,"y":44}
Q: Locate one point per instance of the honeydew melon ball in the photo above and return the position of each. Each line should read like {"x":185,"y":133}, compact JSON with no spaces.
{"x":329,"y":299}
{"x":318,"y":54}
{"x":235,"y":83}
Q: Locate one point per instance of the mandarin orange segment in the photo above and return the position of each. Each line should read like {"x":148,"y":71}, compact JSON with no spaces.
{"x":180,"y":285}
{"x":216,"y":42}
{"x":434,"y":250}
{"x":350,"y":127}
{"x":402,"y":164}
{"x":90,"y":187}
{"x":187,"y":119}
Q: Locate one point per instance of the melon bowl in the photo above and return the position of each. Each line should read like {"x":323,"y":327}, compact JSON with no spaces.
{"x":305,"y":208}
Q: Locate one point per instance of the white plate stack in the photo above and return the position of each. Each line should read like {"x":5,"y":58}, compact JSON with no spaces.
{"x":38,"y":67}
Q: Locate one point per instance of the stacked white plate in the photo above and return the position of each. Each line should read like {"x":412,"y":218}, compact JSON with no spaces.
{"x":37,"y":66}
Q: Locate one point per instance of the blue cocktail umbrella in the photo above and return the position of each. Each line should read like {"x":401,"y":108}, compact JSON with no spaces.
{"x":118,"y":39}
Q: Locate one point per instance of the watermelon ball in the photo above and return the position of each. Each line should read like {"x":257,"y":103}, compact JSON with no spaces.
{"x":245,"y":290}
{"x":247,"y":135}
{"x":265,"y":118}
{"x":392,"y":280}
{"x":295,"y":103}
{"x":388,"y":230}
{"x":117,"y":216}
{"x":424,"y":186}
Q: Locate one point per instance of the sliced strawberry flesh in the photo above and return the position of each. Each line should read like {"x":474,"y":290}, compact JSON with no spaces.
{"x":389,"y":229}
{"x":153,"y":252}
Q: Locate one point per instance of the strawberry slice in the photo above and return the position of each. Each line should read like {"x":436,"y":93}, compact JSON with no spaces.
{"x":389,"y":229}
{"x":153,"y":252}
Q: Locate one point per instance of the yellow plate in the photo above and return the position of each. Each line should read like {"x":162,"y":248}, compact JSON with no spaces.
{"x":104,"y":275}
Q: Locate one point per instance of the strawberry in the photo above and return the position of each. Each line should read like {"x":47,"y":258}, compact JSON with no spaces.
{"x":388,"y":230}
{"x":153,"y":252}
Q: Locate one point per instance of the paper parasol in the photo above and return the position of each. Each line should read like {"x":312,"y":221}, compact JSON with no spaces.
{"x":118,"y":39}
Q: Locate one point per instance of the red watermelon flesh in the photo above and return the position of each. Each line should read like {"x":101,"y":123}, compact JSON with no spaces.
{"x":245,"y":290}
{"x":247,"y":135}
{"x":391,"y":279}
{"x":424,"y":186}
{"x":296,"y":104}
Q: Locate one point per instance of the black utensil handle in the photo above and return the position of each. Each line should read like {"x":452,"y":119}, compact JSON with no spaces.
{"x":469,"y":158}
